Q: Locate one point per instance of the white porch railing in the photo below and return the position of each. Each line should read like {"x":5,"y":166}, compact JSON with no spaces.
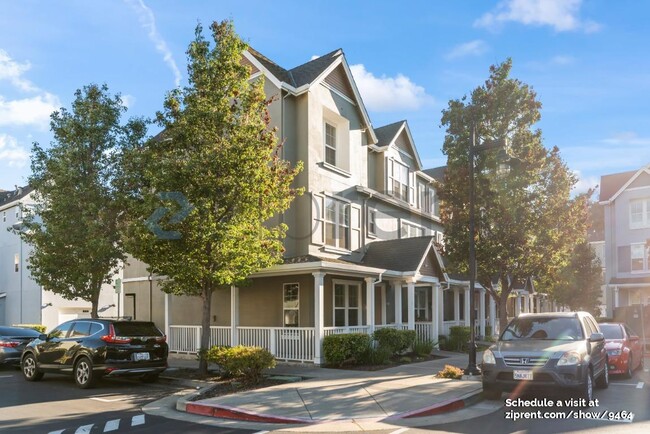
{"x":296,"y":344}
{"x":423,"y":332}
{"x":340,"y":330}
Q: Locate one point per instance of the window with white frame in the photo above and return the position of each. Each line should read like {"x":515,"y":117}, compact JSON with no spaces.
{"x":639,"y":254}
{"x":330,"y":144}
{"x":291,"y":304}
{"x":426,"y":198}
{"x":399,"y":180}
{"x":347,"y":304}
{"x":640,"y":213}
{"x":17,"y":213}
{"x":337,"y":223}
{"x":372,"y":222}
{"x":410,"y":230}
{"x":422,"y":310}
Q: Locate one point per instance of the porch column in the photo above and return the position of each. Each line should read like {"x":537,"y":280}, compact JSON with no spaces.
{"x":166,"y":315}
{"x":397,"y":286}
{"x":383,"y":304}
{"x":441,"y":313}
{"x":517,"y":305}
{"x":616,"y":300}
{"x":370,"y":304}
{"x":481,"y":312}
{"x":319,"y":314}
{"x":410,"y":297}
{"x":467,"y":324}
{"x":456,"y":306}
{"x":493,"y":315}
{"x":234,"y":315}
{"x":436,"y":300}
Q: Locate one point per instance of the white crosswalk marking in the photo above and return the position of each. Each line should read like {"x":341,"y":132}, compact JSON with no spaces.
{"x":137,"y":420}
{"x":112,"y":425}
{"x":84,"y":429}
{"x":639,"y":385}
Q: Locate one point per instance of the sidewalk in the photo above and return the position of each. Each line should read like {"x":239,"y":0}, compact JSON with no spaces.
{"x":396,"y":396}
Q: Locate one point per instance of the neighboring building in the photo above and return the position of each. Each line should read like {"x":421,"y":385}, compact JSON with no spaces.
{"x":360,"y":250}
{"x":22,"y":300}
{"x":626,"y":201}
{"x":596,"y":239}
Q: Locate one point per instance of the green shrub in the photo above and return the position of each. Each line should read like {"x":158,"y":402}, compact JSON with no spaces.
{"x":488,"y":332}
{"x":395,"y":341}
{"x":459,"y":338}
{"x":450,"y":372}
{"x":372,"y":356}
{"x":240,"y":361}
{"x":423,"y":348}
{"x":38,"y":327}
{"x":341,"y":348}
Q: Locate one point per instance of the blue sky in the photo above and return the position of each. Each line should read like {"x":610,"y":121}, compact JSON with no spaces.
{"x":587,"y":61}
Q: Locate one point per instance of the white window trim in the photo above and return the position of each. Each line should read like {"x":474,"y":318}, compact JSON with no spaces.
{"x":427,"y":299}
{"x":646,"y":253}
{"x":359,"y":308}
{"x":327,"y":146}
{"x":411,"y":224}
{"x":284,"y":286}
{"x":337,"y":224}
{"x":645,"y":210}
{"x":371,"y":234}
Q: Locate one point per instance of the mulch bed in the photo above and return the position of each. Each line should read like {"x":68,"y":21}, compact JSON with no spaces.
{"x":229,"y":386}
{"x":396,"y":361}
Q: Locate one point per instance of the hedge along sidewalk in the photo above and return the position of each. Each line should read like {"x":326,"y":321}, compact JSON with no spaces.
{"x":342,"y":395}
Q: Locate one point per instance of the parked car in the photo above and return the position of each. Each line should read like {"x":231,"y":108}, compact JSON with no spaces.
{"x":93,"y":348}
{"x":12,"y":342}
{"x":557,"y":350}
{"x":624,"y":348}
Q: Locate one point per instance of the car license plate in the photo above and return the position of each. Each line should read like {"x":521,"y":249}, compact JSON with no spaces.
{"x":522,"y":375}
{"x":140,"y":356}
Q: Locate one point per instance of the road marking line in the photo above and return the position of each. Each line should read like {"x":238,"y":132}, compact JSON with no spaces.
{"x":625,"y":384}
{"x":56,"y":432}
{"x":112,"y":425}
{"x":84,"y":429}
{"x":640,"y":385}
{"x":399,"y":431}
{"x":261,"y":432}
{"x":137,"y":420}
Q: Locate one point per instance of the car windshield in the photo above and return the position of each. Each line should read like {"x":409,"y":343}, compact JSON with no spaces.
{"x":548,"y":328}
{"x":612,"y":331}
{"x":135,"y":329}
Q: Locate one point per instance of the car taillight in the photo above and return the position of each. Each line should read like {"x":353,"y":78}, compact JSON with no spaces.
{"x":110,"y":338}
{"x":9,"y":344}
{"x":161,"y":339}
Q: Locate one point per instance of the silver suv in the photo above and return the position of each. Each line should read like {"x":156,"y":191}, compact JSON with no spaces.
{"x":547,"y":351}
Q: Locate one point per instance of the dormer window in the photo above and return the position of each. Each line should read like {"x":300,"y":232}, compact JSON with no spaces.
{"x":330,"y":144}
{"x":400,"y":181}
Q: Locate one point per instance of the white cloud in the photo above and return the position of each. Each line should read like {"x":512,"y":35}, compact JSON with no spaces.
{"x":33,"y":111}
{"x":386,"y":94}
{"x":627,"y":138}
{"x":562,"y":15}
{"x":314,"y":57}
{"x":148,"y":22}
{"x":11,"y":153}
{"x":585,"y":183}
{"x":128,"y":101}
{"x":13,"y":72}
{"x":472,"y":48}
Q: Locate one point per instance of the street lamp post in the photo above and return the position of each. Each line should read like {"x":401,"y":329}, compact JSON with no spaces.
{"x":472,"y":368}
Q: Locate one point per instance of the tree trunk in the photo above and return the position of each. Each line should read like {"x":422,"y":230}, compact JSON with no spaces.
{"x":94,"y":302}
{"x":502,"y":304}
{"x":206,"y":297}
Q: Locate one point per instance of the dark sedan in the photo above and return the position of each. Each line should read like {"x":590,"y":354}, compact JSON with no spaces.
{"x":624,"y":348}
{"x":12,"y":343}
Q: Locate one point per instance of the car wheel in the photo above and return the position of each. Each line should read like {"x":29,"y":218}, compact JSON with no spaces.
{"x":149,"y":378}
{"x":83,"y":373}
{"x":603,"y":380}
{"x":628,"y":371}
{"x":29,"y":368}
{"x":586,"y":391}
{"x":491,"y":393}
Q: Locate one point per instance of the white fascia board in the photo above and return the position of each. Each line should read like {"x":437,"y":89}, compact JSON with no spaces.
{"x":323,"y":266}
{"x":397,"y":203}
{"x":627,"y":184}
{"x":414,"y":151}
{"x":261,"y":67}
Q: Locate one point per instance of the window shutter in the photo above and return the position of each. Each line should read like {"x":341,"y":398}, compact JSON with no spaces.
{"x":355,"y":226}
{"x":624,"y":259}
{"x":317,"y":218}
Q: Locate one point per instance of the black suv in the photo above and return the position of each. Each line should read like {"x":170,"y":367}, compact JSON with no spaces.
{"x":93,"y":348}
{"x":547,"y":350}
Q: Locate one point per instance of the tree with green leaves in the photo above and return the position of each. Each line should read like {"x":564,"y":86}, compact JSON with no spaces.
{"x":578,"y":285}
{"x":527,"y":224}
{"x":217,"y":150}
{"x":74,"y":226}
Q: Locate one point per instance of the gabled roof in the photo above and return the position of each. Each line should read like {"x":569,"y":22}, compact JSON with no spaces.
{"x":299,"y":79}
{"x":11,"y":196}
{"x":611,"y":186}
{"x":406,"y":254}
{"x":437,"y":173}
{"x":390,"y":133}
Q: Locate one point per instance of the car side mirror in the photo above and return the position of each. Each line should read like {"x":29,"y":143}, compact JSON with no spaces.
{"x":42,"y":337}
{"x":596,"y":337}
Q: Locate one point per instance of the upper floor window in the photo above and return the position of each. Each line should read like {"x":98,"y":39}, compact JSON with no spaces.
{"x":372,"y":222}
{"x":337,"y":223}
{"x":330,"y":144}
{"x":426,"y":198}
{"x":639,"y":254}
{"x":640,"y":213}
{"x":400,"y":180}
{"x":409,"y":230}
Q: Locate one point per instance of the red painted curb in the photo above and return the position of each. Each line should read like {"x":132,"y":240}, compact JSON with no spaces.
{"x":438,"y":409}
{"x":237,"y":414}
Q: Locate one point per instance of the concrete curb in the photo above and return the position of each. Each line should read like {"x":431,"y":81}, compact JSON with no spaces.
{"x":442,"y":407}
{"x":226,"y":412}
